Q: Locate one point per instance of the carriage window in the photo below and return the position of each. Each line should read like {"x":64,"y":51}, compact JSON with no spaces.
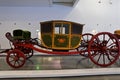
{"x":61,"y":28}
{"x":46,"y":28}
{"x":76,"y":29}
{"x":66,"y":28}
{"x":58,"y":29}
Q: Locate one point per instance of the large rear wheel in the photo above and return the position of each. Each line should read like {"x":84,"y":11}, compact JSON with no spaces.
{"x":104,"y":49}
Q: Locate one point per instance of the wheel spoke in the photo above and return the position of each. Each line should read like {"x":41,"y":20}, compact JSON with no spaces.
{"x":15,"y":63}
{"x":83,"y":39}
{"x":99,"y":58}
{"x":104,"y":59}
{"x":18,"y":63}
{"x":108,"y":40}
{"x":110,"y":45}
{"x":103,"y":37}
{"x":113,"y":54}
{"x":108,"y":57}
{"x":87,"y":38}
{"x":94,"y":53}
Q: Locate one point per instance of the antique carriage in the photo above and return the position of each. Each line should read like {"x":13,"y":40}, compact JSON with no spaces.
{"x":59,"y":37}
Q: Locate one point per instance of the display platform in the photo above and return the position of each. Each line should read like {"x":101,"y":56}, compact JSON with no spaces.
{"x":56,"y":66}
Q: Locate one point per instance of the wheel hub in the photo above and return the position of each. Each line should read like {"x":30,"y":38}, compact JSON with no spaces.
{"x":16,"y":59}
{"x":104,"y":48}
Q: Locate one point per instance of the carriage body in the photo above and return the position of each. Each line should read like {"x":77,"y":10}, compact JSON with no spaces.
{"x":61,"y":35}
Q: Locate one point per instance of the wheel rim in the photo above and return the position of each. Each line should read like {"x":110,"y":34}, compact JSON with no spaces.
{"x":15,"y":58}
{"x":104,"y":49}
{"x":84,"y":44}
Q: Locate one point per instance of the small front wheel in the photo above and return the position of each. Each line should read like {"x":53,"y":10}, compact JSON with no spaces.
{"x":15,"y":58}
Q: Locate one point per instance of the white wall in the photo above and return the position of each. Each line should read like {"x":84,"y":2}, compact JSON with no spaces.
{"x":96,"y":16}
{"x":99,"y":16}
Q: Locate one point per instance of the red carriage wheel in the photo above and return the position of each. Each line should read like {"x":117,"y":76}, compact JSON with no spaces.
{"x":83,"y":48}
{"x":103,"y":49}
{"x":15,"y":58}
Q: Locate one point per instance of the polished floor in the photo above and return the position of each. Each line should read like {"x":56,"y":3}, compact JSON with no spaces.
{"x":55,"y":62}
{"x":51,"y":62}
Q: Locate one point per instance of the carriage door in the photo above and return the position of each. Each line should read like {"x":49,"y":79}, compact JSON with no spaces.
{"x":61,"y":35}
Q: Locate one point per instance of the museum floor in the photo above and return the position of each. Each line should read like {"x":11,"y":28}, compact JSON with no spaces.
{"x":53,"y":62}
